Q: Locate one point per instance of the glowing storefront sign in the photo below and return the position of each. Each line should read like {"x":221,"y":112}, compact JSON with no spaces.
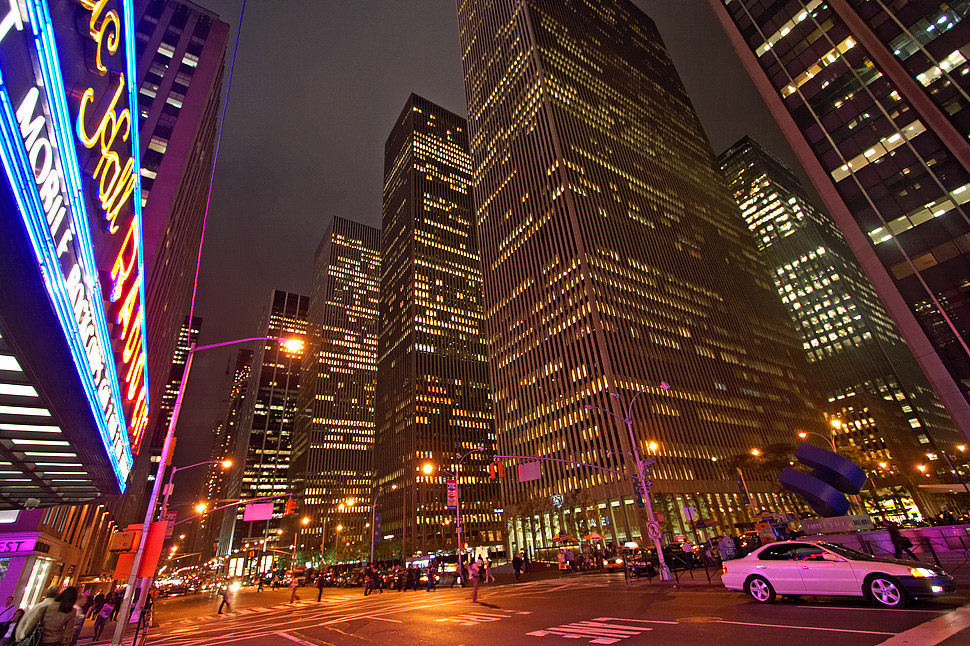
{"x":69,"y":147}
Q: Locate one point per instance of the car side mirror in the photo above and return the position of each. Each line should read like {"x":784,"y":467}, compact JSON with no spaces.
{"x":832,"y":557}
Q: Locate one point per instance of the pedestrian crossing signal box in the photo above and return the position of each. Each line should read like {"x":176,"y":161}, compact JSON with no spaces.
{"x":124,"y":541}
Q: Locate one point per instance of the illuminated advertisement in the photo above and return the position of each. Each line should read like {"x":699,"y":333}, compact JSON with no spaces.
{"x":69,"y":145}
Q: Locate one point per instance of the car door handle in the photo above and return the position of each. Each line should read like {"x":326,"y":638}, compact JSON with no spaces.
{"x":805,"y":567}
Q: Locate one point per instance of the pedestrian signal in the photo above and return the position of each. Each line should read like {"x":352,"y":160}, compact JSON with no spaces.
{"x":290,"y":507}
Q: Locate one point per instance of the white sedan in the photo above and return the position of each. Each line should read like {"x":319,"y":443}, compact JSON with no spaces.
{"x":795,"y":568}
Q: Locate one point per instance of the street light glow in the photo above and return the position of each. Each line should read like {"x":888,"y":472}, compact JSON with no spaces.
{"x":427,"y":468}
{"x":836,"y":423}
{"x":921,"y":467}
{"x":305,"y":520}
{"x":653,"y":446}
{"x":755,"y":452}
{"x":200,"y":507}
{"x":802,"y":434}
{"x":292,"y":345}
{"x":961,"y":448}
{"x":226,"y":464}
{"x":350,"y":502}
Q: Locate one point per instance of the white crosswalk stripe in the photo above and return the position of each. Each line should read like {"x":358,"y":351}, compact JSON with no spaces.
{"x":598,"y":632}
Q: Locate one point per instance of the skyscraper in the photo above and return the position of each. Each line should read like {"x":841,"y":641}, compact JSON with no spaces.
{"x":218,"y":483}
{"x":873,"y":99}
{"x":188,"y":334}
{"x":852,"y":345}
{"x":263,"y":445}
{"x":614,"y":263}
{"x":333,"y":438}
{"x":433,"y":400}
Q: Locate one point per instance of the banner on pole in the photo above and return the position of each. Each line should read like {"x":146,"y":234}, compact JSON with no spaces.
{"x":452,"y":502}
{"x":377,"y":528}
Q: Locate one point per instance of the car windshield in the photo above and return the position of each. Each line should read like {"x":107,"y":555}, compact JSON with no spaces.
{"x":846,"y":552}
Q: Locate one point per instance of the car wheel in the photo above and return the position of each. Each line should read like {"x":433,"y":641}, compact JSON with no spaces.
{"x":760,"y":590}
{"x":885,"y":591}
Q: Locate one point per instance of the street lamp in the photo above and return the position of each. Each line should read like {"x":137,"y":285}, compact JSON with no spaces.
{"x":171,"y":484}
{"x":166,"y":456}
{"x":628,"y":420}
{"x":336,"y":541}
{"x":373,"y":518}
{"x":829,"y":440}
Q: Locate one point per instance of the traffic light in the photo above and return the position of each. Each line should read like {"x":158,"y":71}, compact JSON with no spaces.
{"x":496,"y":470}
{"x":290,"y":507}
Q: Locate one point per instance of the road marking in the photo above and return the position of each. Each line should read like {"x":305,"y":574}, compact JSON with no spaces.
{"x":871,"y":609}
{"x":822,"y":628}
{"x":301,"y":642}
{"x":393,"y":621}
{"x":933,"y":631}
{"x":598,"y":631}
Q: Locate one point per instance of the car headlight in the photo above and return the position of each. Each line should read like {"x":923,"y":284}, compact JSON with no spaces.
{"x":921,"y":572}
{"x":619,"y":561}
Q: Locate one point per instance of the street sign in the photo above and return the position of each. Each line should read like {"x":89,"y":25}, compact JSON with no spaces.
{"x":648,"y":483}
{"x":452,"y":502}
{"x":647,"y":463}
{"x":653,"y":529}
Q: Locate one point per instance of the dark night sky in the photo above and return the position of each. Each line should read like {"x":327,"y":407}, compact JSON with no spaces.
{"x":316,"y":88}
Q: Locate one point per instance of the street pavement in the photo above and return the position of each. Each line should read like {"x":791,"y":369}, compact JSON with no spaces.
{"x":574,"y":610}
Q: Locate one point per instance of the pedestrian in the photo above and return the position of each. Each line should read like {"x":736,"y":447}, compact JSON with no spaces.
{"x":52,"y":618}
{"x":224,"y":593}
{"x":320,"y":582}
{"x":561,"y":560}
{"x":570,"y":560}
{"x":517,"y":566}
{"x":294,"y":587}
{"x":402,"y":578}
{"x":900,"y":543}
{"x":368,"y":579}
{"x":99,"y":600}
{"x":259,"y":584}
{"x":432,"y":575}
{"x":525,"y":561}
{"x":85,"y":603}
{"x":116,"y":600}
{"x":9,"y":628}
{"x":101,"y":619}
{"x":488,"y":571}
{"x":8,"y":609}
{"x":474,"y":574}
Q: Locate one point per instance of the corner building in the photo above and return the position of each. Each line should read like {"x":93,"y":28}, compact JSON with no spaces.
{"x":333,"y":437}
{"x":432,"y":389}
{"x":853,"y":347}
{"x":874,"y":99}
{"x":614,"y":261}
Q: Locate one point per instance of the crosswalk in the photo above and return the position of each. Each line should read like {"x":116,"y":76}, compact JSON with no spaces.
{"x":604,"y":630}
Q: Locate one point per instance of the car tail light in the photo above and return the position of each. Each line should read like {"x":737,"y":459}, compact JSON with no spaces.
{"x":723,"y":568}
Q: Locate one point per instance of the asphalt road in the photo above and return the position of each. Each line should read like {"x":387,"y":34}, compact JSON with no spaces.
{"x":597,"y":609}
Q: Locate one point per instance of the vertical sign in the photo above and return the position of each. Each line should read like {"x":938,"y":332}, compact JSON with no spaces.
{"x":377,"y":528}
{"x":452,"y":503}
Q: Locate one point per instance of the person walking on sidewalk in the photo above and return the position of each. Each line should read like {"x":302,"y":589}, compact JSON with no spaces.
{"x":900,"y":543}
{"x":488,"y":571}
{"x":368,"y":579}
{"x":55,"y":618}
{"x":101,"y":619}
{"x":224,"y":593}
{"x":116,"y":600}
{"x":432,"y":575}
{"x":294,"y":586}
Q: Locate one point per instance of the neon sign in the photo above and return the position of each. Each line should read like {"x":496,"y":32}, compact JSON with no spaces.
{"x":69,"y":148}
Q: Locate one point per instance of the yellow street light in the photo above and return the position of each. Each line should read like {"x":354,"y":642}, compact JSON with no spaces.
{"x":340,"y":528}
{"x":836,"y":423}
{"x":226,"y":463}
{"x":350,"y":502}
{"x":755,"y":452}
{"x":961,"y":448}
{"x":802,"y":434}
{"x":427,"y":468}
{"x":652,"y":445}
{"x":279,"y":532}
{"x":200,"y":507}
{"x":305,"y":520}
{"x":921,"y":467}
{"x":394,"y":486}
{"x":181,"y":537}
{"x":292,"y":345}
{"x":883,"y":465}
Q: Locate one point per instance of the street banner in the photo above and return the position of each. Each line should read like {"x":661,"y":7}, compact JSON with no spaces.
{"x":452,"y":502}
{"x":377,"y":528}
{"x":258,"y":511}
{"x":744,"y":491}
{"x":170,"y":516}
{"x":529,"y":471}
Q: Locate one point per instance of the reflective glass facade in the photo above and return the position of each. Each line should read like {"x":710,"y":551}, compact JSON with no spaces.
{"x":613,"y":261}
{"x":872,"y":95}
{"x":432,"y":390}
{"x":333,"y":440}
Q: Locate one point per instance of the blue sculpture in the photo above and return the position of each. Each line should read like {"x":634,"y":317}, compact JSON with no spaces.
{"x":825,"y":487}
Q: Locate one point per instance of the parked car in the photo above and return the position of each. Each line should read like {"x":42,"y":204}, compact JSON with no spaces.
{"x":796,"y":568}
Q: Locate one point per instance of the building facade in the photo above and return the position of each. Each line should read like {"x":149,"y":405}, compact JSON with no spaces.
{"x":262,"y":456}
{"x":333,"y":439}
{"x":873,"y":99}
{"x":615,"y":267}
{"x":851,"y":343}
{"x":180,"y":49}
{"x":433,"y":401}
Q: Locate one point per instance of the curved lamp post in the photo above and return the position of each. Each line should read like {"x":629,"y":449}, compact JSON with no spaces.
{"x":373,"y":517}
{"x":628,"y":420}
{"x":290,"y":345}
